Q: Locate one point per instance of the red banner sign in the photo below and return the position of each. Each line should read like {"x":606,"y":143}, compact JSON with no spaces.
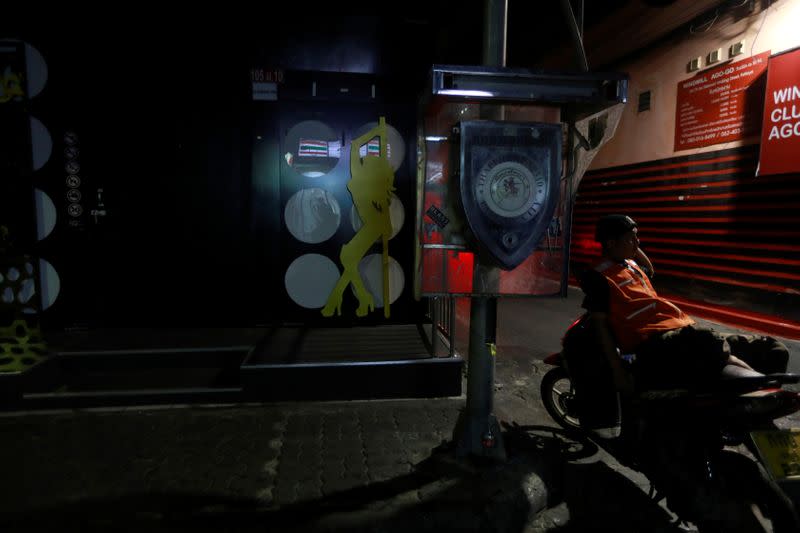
{"x":720,"y":105}
{"x":780,"y":133}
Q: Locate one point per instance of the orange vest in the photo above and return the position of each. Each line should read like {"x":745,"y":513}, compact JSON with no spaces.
{"x":635,"y":310}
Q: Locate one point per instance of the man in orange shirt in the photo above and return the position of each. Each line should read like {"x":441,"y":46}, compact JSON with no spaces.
{"x":671,"y":349}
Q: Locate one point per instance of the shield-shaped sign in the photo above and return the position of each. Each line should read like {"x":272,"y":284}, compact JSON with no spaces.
{"x":509,"y":181}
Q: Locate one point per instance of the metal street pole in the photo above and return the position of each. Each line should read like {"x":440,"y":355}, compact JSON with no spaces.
{"x":477,"y":432}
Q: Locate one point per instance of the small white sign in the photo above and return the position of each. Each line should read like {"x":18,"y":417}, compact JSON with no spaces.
{"x":265,"y":90}
{"x":75,"y":210}
{"x":74,"y":195}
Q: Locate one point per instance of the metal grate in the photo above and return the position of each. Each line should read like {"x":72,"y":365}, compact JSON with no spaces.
{"x":442,"y":312}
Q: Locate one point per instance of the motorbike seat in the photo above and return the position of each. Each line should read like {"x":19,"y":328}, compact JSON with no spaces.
{"x":733,"y":380}
{"x":736,"y":379}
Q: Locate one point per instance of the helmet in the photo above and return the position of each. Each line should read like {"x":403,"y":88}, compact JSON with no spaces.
{"x":612,"y":226}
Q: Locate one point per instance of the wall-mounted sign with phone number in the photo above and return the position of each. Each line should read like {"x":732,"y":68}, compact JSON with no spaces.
{"x":722,"y":104}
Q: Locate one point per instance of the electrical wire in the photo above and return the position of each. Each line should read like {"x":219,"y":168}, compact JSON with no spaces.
{"x":694,"y":30}
{"x":766,"y":11}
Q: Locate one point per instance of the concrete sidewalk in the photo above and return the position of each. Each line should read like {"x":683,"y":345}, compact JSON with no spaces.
{"x":344,"y":466}
{"x":302,"y":467}
{"x":360,"y":466}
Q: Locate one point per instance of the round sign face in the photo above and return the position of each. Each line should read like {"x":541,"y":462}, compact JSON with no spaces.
{"x":511,"y":186}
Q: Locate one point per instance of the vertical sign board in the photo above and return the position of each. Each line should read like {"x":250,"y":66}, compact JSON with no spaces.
{"x":720,"y":105}
{"x":780,"y":132}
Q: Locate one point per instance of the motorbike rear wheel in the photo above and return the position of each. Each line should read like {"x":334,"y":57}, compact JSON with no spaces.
{"x":743,"y":485}
{"x":558,"y":397}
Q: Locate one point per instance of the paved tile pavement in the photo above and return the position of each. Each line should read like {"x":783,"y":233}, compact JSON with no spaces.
{"x":315,"y":466}
{"x":340,"y":466}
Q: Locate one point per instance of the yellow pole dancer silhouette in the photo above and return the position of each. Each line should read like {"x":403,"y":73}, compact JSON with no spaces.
{"x":371,"y":185}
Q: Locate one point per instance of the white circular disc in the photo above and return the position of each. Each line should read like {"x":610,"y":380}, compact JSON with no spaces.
{"x":312,"y":215}
{"x":310,"y":279}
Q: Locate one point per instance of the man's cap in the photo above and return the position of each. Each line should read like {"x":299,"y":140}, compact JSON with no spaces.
{"x":612,"y":226}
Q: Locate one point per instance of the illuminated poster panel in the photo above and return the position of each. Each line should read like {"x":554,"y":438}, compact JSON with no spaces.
{"x":721,"y":105}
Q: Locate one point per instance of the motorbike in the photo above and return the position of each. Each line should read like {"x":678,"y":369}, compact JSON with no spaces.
{"x":709,"y":451}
